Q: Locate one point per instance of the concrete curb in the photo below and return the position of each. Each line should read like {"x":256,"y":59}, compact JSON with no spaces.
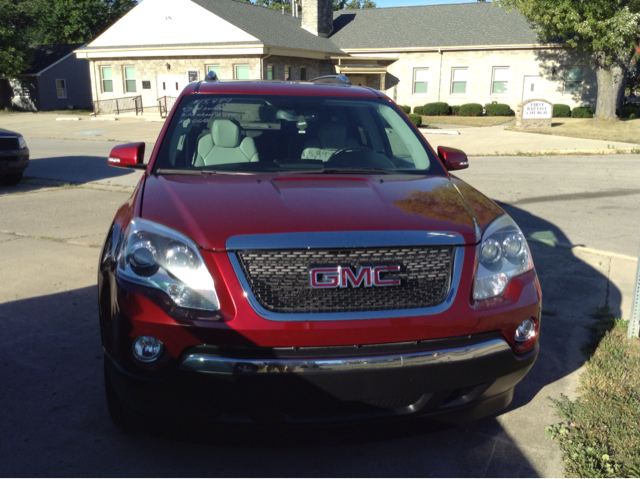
{"x":72,"y":118}
{"x":438,"y":132}
{"x":103,"y":119}
{"x":620,"y":151}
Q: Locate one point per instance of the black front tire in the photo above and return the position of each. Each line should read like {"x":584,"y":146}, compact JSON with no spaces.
{"x":116,"y":409}
{"x":11,"y":180}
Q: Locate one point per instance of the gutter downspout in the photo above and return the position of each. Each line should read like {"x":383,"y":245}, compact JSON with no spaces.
{"x":440,"y":74}
{"x":262,"y":65}
{"x":95,"y":85}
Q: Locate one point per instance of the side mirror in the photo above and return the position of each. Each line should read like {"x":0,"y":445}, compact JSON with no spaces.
{"x":129,"y":155}
{"x":452,"y":158}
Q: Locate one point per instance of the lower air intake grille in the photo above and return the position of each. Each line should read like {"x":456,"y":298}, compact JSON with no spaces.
{"x":9,"y":143}
{"x":280,"y":279}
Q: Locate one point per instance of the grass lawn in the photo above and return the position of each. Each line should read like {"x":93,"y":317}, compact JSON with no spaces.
{"x":601,"y":436}
{"x":627,"y":131}
{"x":466,"y":120}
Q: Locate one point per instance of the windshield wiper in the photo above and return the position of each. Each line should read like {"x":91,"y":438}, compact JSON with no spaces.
{"x":177,"y":171}
{"x":357,"y":171}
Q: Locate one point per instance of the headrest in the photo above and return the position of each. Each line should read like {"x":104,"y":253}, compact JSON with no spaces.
{"x":333,"y":136}
{"x":225,"y":133}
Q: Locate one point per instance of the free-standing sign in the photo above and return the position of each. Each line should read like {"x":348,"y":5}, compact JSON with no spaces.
{"x":535,"y":113}
{"x":537,"y":110}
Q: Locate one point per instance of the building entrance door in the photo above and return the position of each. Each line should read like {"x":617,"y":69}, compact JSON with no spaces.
{"x":358,"y":80}
{"x":532,"y":88}
{"x":170,"y":85}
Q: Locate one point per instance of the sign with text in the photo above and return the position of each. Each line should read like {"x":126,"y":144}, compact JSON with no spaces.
{"x":537,"y":109}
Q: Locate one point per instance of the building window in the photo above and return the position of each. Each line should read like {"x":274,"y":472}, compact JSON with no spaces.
{"x":420,"y":81}
{"x":459,"y":81}
{"x":214,"y":68}
{"x":269,"y":72}
{"x":242,"y":72}
{"x":129,"y":79}
{"x":61,"y":88}
{"x":573,"y":81}
{"x":303,"y":73}
{"x":107,"y":80}
{"x":500,"y":82}
{"x":193,"y":75}
{"x":287,"y":72}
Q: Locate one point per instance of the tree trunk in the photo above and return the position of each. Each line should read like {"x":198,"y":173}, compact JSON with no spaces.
{"x":610,"y":79}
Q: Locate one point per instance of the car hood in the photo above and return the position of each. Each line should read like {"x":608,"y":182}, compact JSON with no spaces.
{"x":212,"y":208}
{"x":8,"y":133}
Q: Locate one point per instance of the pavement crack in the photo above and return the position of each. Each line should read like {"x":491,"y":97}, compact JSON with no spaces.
{"x":70,"y":241}
{"x":493,"y":450}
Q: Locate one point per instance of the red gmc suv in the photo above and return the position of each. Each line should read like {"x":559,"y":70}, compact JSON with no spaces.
{"x":297,"y":253}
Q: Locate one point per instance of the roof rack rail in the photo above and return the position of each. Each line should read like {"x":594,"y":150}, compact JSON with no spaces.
{"x":332,"y":79}
{"x":211,"y":76}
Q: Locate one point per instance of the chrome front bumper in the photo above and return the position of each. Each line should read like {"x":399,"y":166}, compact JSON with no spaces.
{"x":205,"y":363}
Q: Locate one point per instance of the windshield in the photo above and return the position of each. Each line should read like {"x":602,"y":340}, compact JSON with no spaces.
{"x":253,"y":134}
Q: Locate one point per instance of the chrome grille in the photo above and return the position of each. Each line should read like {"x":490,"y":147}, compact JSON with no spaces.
{"x":279,"y":279}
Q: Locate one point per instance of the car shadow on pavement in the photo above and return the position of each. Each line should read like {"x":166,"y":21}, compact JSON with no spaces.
{"x":52,"y":401}
{"x":72,"y":170}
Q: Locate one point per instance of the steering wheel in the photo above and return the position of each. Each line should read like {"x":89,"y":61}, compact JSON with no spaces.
{"x":346,"y":149}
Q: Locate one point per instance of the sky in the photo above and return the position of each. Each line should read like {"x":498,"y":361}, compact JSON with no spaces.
{"x":407,"y":3}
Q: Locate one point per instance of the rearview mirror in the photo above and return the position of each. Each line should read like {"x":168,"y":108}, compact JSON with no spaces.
{"x":453,"y":158}
{"x":129,"y":155}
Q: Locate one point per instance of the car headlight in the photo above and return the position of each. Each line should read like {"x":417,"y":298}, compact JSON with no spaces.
{"x":159,"y":257}
{"x":22,"y":143}
{"x":502,"y":254}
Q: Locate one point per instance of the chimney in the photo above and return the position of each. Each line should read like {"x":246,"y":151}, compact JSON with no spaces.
{"x":317,"y":17}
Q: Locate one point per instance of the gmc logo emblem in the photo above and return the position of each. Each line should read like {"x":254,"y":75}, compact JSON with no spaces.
{"x":329,"y":277}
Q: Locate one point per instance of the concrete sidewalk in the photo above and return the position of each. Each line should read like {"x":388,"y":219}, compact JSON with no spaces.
{"x":495,"y":140}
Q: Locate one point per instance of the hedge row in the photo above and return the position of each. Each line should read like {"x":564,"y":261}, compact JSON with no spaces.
{"x":582,"y":112}
{"x":470,"y":109}
{"x":631,"y":111}
{"x":415,"y":119}
{"x":501,"y":109}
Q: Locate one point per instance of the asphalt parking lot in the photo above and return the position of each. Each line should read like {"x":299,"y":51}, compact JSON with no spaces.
{"x":54,"y":417}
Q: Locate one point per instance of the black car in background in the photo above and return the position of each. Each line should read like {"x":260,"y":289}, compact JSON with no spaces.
{"x":14,"y":157}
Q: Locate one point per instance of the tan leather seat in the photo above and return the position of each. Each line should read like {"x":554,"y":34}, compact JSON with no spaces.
{"x":225,"y":144}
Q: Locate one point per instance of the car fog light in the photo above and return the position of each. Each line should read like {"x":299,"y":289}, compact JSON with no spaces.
{"x":147,"y":348}
{"x":525,"y":331}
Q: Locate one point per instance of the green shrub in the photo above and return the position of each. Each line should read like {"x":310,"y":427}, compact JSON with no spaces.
{"x":471,"y":109}
{"x":582,"y":112}
{"x":561,"y":111}
{"x":438,"y":108}
{"x":415,"y":119}
{"x":499,"y":109}
{"x":405,"y":108}
{"x":455,"y":110}
{"x":419,"y":110}
{"x":630,"y":112}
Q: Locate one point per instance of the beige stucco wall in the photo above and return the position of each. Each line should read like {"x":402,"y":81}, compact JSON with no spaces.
{"x":550,"y":65}
{"x":149,"y":69}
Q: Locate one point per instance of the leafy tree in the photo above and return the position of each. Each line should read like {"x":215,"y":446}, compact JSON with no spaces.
{"x":15,"y":18}
{"x":278,"y":4}
{"x":633,"y":76}
{"x":75,"y":21}
{"x":608,"y":31}
{"x":357,"y":4}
